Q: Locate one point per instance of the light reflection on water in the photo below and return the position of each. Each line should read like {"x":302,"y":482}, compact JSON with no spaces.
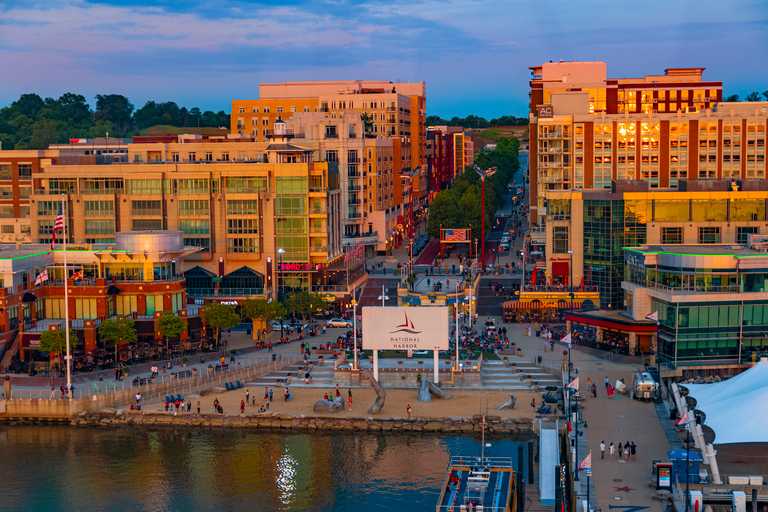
{"x":60,"y":468}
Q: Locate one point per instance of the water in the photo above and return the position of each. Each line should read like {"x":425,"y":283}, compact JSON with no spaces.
{"x":63,"y":468}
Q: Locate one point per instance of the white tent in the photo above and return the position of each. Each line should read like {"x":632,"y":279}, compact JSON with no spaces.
{"x":737,"y":408}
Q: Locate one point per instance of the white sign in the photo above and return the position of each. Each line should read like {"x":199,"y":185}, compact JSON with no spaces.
{"x":416,"y":328}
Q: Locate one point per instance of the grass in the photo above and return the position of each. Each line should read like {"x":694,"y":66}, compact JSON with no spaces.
{"x":164,"y":129}
{"x":496,"y":132}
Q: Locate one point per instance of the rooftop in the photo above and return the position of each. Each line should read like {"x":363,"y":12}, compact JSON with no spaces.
{"x":735,"y":250}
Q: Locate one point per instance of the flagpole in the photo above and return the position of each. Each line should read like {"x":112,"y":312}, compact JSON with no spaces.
{"x":66,"y":299}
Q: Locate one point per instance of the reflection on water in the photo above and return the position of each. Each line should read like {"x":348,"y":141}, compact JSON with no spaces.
{"x":57,"y":468}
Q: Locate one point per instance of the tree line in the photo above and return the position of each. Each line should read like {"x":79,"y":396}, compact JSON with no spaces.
{"x":459,"y":206}
{"x":32,"y":122}
{"x":753,"y":96}
{"x":477,"y":122}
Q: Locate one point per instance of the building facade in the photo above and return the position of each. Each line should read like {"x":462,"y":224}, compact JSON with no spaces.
{"x":711,"y":300}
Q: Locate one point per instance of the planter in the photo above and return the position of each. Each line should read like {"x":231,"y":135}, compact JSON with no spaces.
{"x":288,"y":380}
{"x":399,"y":362}
{"x":512,"y":346}
{"x":194,"y":372}
{"x":448,"y":362}
{"x":278,"y":384}
{"x":514,"y":367}
{"x":522,"y":375}
{"x":520,"y":352}
{"x":370,"y":359}
{"x":184,"y":365}
{"x":536,"y":387}
{"x":529,"y":381}
{"x":311,"y":365}
{"x":506,"y":361}
{"x":319,"y":360}
{"x":421,"y":362}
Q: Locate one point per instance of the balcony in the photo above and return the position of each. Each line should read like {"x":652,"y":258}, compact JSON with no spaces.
{"x":691,"y":289}
{"x":391,"y":109}
{"x":322,"y":230}
{"x":318,"y":248}
{"x":355,"y":201}
{"x":354,"y":174}
{"x":353,"y":160}
{"x":224,"y":292}
{"x":331,"y":135}
{"x":245,"y":190}
{"x":322,"y":190}
{"x":353,"y":215}
{"x":354,"y":189}
{"x":318,"y":211}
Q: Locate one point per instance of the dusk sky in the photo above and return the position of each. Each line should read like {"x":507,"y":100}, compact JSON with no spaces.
{"x":473,"y":54}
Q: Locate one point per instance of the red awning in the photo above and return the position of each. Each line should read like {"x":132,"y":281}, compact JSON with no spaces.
{"x":515,"y":304}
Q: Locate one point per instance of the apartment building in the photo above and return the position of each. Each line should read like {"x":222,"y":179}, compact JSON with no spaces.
{"x":449,"y":151}
{"x":587,"y":129}
{"x":16,"y":168}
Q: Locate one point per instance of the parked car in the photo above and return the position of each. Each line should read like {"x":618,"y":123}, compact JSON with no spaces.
{"x":276,"y":326}
{"x":338,"y":322}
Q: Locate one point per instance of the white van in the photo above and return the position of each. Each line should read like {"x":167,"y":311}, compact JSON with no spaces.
{"x":643,"y":386}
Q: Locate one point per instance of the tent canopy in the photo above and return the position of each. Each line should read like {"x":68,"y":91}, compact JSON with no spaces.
{"x":737,"y":408}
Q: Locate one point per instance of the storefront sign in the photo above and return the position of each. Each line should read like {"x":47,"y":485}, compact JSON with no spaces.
{"x":294,"y":267}
{"x":229,"y":302}
{"x":545,"y":111}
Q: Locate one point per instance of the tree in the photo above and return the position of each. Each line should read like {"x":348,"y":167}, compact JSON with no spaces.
{"x":732,"y":98}
{"x":55,"y":341}
{"x":368,"y":121}
{"x":305,"y":303}
{"x":116,"y":331}
{"x":116,"y":109}
{"x":262,"y":309}
{"x":765,"y":94}
{"x":169,"y":326}
{"x":220,"y":316}
{"x":443,"y":212}
{"x":753,"y":96}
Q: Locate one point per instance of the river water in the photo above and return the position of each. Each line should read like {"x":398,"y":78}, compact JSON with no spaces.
{"x":64,"y":468}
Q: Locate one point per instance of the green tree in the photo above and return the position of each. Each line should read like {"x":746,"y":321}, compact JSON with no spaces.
{"x":118,"y":330}
{"x":220,"y":316}
{"x":732,"y":98}
{"x":262,"y":309}
{"x":368,"y":120}
{"x":116,"y":109}
{"x":305,"y":303}
{"x":169,"y":326}
{"x":45,"y":132}
{"x":753,"y":96}
{"x":443,"y":212}
{"x":56,"y":341}
{"x":765,"y":95}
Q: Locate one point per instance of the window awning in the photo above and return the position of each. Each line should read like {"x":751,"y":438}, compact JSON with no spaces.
{"x":113,"y":290}
{"x":29,"y":297}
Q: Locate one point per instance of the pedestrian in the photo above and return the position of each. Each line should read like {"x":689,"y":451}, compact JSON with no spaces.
{"x":198,"y":407}
{"x":607,"y":382}
{"x":594,"y":390}
{"x":620,"y":450}
{"x":533,"y":403}
{"x":609,"y":391}
{"x":270,"y":347}
{"x":633,"y":450}
{"x":589,"y":383}
{"x":612,"y":449}
{"x":545,"y":345}
{"x":350,"y":402}
{"x":242,"y":407}
{"x":247,"y":395}
{"x":189,"y":406}
{"x":53,"y":392}
{"x":626,"y":452}
{"x":266,"y":394}
{"x":183,"y":405}
{"x":167,"y":405}
{"x":270,"y":395}
{"x":408,"y":410}
{"x":286,"y":394}
{"x":602,"y":450}
{"x":138,"y":398}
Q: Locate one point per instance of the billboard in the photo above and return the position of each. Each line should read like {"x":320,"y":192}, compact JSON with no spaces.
{"x":420,"y":328}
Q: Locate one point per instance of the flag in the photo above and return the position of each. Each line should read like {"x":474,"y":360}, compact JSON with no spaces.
{"x":683,"y":419}
{"x":567,"y":339}
{"x":42,"y":277}
{"x":587,"y":462}
{"x":77,"y":276}
{"x":574,"y":384}
{"x":653,"y":316}
{"x":455,"y":235}
{"x":59,"y":224}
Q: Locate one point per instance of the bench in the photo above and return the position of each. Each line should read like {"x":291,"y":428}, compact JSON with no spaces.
{"x":220,"y":367}
{"x":184,"y":374}
{"x":140,"y":381}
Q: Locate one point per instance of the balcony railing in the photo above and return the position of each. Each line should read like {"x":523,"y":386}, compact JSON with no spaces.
{"x":733,"y":288}
{"x":318,"y":211}
{"x":318,"y":248}
{"x":355,"y":201}
{"x":352,"y":215}
{"x":319,"y":189}
{"x":314,"y":229}
{"x":245,"y":190}
{"x":224,"y":292}
{"x":353,"y":160}
{"x":331,"y":135}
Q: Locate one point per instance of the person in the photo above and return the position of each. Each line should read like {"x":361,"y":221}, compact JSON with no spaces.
{"x":53,"y":392}
{"x":626,"y":452}
{"x":189,"y":406}
{"x":183,"y":405}
{"x":350,"y":402}
{"x":286,"y":394}
{"x":533,"y":403}
{"x":349,"y":392}
{"x":167,"y":405}
{"x":408,"y":410}
{"x":609,"y":391}
{"x":198,"y":407}
{"x":270,"y":395}
{"x":262,"y":409}
{"x":633,"y":450}
{"x":545,"y":345}
{"x":231,"y":357}
{"x":325,"y":397}
{"x":138,"y":398}
{"x":594,"y":390}
{"x":242,"y":407}
{"x":270,"y":347}
{"x":611,"y":449}
{"x":589,"y":383}
{"x":176,"y":404}
{"x":602,"y":449}
{"x":620,"y":450}
{"x":247,"y":395}
{"x":607,"y":382}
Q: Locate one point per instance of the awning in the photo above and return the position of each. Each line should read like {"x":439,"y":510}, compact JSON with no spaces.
{"x":515,"y":304}
{"x":113,"y":290}
{"x":29,"y":297}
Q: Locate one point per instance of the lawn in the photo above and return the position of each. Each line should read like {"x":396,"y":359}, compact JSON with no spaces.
{"x":163,"y":129}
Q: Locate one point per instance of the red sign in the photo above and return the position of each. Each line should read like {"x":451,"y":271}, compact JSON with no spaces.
{"x":299,"y":267}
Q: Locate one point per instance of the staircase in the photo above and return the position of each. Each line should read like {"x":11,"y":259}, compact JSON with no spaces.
{"x":494,"y":374}
{"x":322,"y":376}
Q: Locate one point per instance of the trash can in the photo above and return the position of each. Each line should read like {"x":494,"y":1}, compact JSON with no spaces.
{"x":539,"y":359}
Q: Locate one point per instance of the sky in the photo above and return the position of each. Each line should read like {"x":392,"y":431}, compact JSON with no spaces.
{"x":473,"y":55}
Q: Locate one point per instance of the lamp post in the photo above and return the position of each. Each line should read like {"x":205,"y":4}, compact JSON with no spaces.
{"x":687,"y":467}
{"x":470,"y":298}
{"x":476,"y":258}
{"x":483,"y":174}
{"x":280,"y":252}
{"x":383,"y":296}
{"x":457,"y":324}
{"x":354,"y":332}
{"x":570,"y":253}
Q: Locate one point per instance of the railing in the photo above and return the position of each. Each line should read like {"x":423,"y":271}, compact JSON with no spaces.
{"x":354,"y":215}
{"x":313,"y":229}
{"x":224,"y":292}
{"x":354,"y":189}
{"x":80,"y":323}
{"x":318,"y":210}
{"x":331,"y":135}
{"x":331,"y":288}
{"x":611,"y":355}
{"x":372,"y":234}
{"x":318,"y":189}
{"x":733,"y":288}
{"x":245,"y":190}
{"x":318,"y":248}
{"x":93,"y":191}
{"x":354,"y":201}
{"x":353,"y":160}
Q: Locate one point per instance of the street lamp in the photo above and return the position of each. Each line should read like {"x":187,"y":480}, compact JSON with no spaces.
{"x":457,"y":324}
{"x":280,"y":253}
{"x":483,"y":174}
{"x":570,"y":253}
{"x":383,"y":296}
{"x":470,"y":298}
{"x":476,"y":258}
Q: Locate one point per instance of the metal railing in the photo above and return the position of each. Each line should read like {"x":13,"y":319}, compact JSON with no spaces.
{"x":224,"y":292}
{"x":733,"y":288}
{"x":318,"y":210}
{"x":318,"y":189}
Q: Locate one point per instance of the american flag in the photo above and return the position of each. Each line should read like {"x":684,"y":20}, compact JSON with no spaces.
{"x":59,"y":224}
{"x":455,"y":235}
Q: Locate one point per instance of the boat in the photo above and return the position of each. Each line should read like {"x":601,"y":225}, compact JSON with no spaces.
{"x":477,"y":484}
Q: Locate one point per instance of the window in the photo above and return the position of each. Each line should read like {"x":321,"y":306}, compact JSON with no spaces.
{"x":193,"y":186}
{"x":332,"y":156}
{"x":5,"y":172}
{"x":242,"y":245}
{"x":279,"y":110}
{"x":241,"y":110}
{"x":146,"y":224}
{"x":671,"y":235}
{"x":266,"y":110}
{"x":242,"y":207}
{"x":291,"y":205}
{"x":742,"y":234}
{"x":5,"y":229}
{"x":709,"y":235}
{"x":243,"y":226}
{"x":6,"y":192}
{"x":193,"y":207}
{"x":99,"y":207}
{"x":205,"y":243}
{"x":143,"y":186}
{"x":146,"y":207}
{"x":195,"y":226}
{"x":62,"y":186}
{"x":45,"y":227}
{"x":99,"y":227}
{"x":6,"y":212}
{"x":192,"y":156}
{"x":291,"y":185}
{"x":560,"y":239}
{"x":25,"y":170}
{"x":24,"y":212}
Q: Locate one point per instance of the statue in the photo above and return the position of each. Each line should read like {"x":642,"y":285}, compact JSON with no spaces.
{"x":329,"y":406}
{"x":427,"y":389}
{"x":378,"y":405}
{"x":510,"y":404}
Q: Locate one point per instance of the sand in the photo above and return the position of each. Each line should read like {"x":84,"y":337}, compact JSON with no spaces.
{"x":465,"y":404}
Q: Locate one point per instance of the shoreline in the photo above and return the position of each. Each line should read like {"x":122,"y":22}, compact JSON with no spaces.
{"x":282,"y":421}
